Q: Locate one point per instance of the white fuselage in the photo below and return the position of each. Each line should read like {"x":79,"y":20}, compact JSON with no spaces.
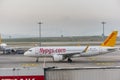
{"x":67,"y":50}
{"x":3,"y":46}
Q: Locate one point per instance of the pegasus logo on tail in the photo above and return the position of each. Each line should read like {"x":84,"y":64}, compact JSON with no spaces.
{"x":110,"y":40}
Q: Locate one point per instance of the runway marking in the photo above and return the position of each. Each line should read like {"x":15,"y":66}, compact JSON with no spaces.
{"x":92,"y":58}
{"x":29,"y":65}
{"x":100,"y":63}
{"x":104,"y":64}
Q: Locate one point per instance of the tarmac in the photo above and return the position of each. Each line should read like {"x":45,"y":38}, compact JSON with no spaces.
{"x":19,"y":60}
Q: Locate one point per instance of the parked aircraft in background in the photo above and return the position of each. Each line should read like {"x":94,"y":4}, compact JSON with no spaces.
{"x":61,"y":53}
{"x":2,"y":45}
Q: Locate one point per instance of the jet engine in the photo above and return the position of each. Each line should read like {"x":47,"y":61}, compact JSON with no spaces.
{"x":58,"y":57}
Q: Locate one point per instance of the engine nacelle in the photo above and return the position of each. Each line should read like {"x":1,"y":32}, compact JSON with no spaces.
{"x":58,"y":57}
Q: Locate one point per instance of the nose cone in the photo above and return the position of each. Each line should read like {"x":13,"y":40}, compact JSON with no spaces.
{"x":26,"y":53}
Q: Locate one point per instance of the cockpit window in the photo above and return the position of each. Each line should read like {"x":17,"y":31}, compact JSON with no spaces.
{"x":30,"y":50}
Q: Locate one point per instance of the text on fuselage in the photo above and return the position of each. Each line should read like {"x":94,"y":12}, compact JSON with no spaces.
{"x":50,"y":50}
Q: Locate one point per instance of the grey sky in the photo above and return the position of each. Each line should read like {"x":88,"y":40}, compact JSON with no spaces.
{"x":59,"y":17}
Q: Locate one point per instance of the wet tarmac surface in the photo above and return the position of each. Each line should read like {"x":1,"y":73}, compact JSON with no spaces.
{"x":19,"y":60}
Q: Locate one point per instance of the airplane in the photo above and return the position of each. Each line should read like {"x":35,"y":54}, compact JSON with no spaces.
{"x":2,"y":45}
{"x":60,"y":53}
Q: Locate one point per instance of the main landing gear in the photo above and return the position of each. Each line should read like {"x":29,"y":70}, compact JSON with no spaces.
{"x":69,"y":60}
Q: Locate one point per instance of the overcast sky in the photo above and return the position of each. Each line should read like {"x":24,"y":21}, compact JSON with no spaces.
{"x":59,"y":17}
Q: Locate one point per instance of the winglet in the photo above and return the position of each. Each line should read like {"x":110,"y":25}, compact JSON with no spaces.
{"x":85,"y":49}
{"x":111,"y":39}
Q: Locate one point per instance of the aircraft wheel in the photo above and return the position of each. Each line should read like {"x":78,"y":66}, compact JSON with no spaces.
{"x":69,"y":60}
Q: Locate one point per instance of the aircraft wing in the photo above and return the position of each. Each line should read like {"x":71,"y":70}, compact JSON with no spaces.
{"x":75,"y":53}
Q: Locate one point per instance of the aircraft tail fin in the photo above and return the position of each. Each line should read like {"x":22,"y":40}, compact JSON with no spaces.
{"x":110,"y":40}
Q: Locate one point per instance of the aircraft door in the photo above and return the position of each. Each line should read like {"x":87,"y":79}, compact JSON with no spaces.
{"x":37,"y":51}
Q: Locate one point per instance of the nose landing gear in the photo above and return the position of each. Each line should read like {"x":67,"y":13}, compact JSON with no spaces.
{"x":37,"y":59}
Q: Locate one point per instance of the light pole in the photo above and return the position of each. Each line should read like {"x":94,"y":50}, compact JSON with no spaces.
{"x":103,"y":34}
{"x":40,"y":33}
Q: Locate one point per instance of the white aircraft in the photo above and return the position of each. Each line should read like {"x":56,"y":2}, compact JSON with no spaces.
{"x":2,"y":45}
{"x":67,"y":52}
